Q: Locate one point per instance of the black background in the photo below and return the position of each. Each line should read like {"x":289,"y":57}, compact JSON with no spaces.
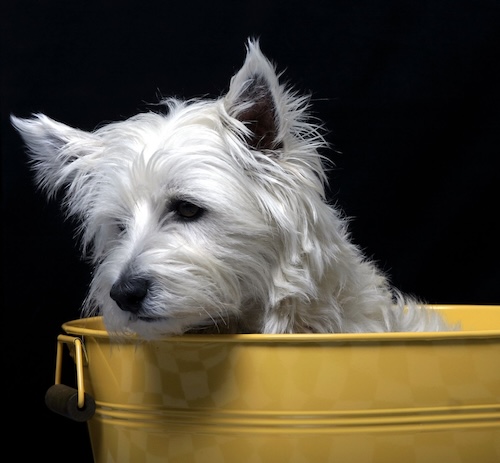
{"x":409,"y":91}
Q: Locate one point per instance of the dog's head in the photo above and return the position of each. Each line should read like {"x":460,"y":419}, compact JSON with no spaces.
{"x":195,"y":216}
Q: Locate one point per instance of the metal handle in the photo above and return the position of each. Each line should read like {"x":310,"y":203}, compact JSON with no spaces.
{"x":65,"y":400}
{"x":78,"y":356}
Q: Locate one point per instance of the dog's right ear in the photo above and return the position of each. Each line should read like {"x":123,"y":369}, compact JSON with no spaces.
{"x":57,"y":151}
{"x":275,"y":118}
{"x":255,"y":98}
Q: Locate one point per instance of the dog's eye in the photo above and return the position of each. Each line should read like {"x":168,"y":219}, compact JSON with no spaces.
{"x":187,"y":210}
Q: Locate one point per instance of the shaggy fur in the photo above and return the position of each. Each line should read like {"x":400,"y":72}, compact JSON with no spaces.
{"x":212,"y":218}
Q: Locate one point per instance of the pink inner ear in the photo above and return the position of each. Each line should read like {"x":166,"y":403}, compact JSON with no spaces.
{"x":261,"y":120}
{"x":260,"y":116}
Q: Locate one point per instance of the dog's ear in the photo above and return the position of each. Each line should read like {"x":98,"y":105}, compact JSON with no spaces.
{"x":254,"y":98}
{"x":55,"y":150}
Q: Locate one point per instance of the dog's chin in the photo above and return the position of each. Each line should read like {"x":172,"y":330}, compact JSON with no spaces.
{"x":149,"y":319}
{"x":151,"y":328}
{"x":119,"y":323}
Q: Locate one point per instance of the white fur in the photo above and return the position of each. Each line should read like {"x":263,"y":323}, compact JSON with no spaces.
{"x":268,"y":254}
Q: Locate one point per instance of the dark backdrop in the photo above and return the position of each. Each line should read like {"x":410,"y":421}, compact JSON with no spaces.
{"x":408,"y":90}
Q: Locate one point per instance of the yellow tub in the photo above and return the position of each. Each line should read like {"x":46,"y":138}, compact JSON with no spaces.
{"x":390,"y":397}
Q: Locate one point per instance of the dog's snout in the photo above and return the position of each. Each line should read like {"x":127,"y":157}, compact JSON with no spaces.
{"x":129,"y":292}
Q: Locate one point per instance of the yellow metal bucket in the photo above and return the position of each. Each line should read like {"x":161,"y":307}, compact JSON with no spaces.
{"x":390,"y":397}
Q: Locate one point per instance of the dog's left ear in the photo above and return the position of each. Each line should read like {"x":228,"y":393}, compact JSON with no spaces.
{"x":254,"y":98}
{"x":58,"y":152}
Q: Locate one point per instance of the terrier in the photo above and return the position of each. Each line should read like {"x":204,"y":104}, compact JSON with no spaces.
{"x":211,"y":217}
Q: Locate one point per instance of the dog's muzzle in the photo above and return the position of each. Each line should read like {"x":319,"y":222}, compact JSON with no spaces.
{"x":129,"y":293}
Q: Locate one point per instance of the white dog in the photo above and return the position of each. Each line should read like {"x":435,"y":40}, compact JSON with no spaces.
{"x":212,"y":218}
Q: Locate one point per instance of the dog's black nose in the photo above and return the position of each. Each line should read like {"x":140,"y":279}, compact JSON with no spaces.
{"x":129,"y":292}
